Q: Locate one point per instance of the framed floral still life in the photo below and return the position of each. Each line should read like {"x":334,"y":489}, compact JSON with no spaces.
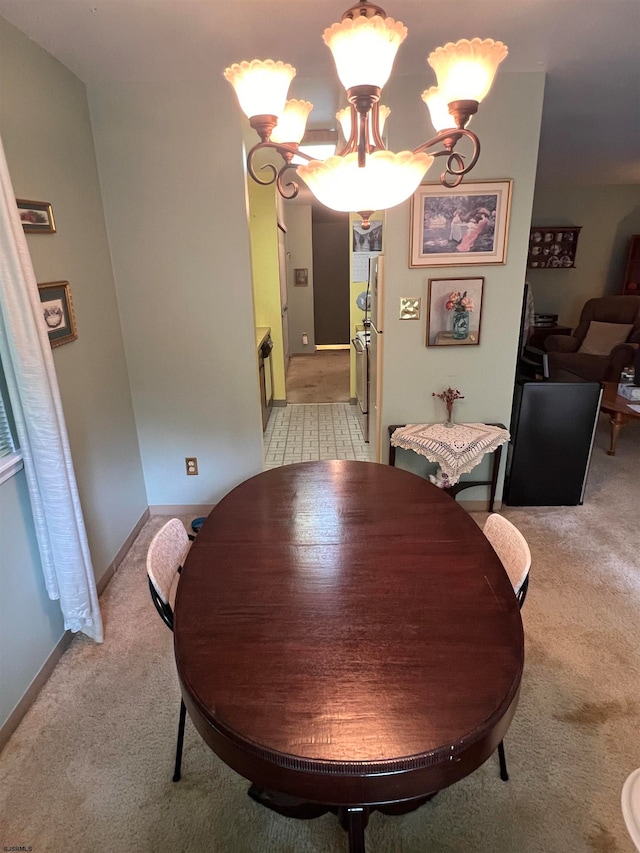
{"x":454,"y":311}
{"x":465,"y":225}
{"x":57,"y":312}
{"x":36,"y":216}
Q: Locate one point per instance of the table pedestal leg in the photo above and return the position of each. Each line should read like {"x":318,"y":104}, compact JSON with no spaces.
{"x":616,"y":422}
{"x":354,"y":819}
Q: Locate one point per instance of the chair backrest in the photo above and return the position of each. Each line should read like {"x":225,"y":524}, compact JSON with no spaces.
{"x":165,"y":557}
{"x":513,"y":550}
{"x":610,"y":309}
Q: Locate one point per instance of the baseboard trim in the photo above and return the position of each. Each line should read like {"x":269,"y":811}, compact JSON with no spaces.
{"x":181,"y":509}
{"x":282,"y":403}
{"x":15,"y":717}
{"x":112,"y":568}
{"x":480,"y":506}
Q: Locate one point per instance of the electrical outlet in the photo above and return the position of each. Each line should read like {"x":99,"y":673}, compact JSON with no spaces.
{"x":192,"y":465}
{"x":305,"y":339}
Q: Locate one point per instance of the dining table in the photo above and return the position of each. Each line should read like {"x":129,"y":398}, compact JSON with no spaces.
{"x":347,"y":640}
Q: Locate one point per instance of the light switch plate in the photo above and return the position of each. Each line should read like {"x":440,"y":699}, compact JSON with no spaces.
{"x":409,"y":308}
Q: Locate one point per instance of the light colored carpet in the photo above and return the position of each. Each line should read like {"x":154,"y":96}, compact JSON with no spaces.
{"x":90,"y":767}
{"x":319,"y":378}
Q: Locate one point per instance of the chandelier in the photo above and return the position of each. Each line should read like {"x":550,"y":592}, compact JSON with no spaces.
{"x":365,"y":176}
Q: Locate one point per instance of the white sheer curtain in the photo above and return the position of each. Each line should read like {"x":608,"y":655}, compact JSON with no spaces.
{"x":35,"y":403}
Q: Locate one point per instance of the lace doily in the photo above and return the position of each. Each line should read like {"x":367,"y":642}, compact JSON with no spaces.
{"x":457,"y":449}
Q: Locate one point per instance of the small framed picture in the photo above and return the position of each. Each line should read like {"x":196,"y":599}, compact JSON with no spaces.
{"x":367,"y":239}
{"x":36,"y":216}
{"x":301,"y":277}
{"x":454,"y":311}
{"x":57,"y":312}
{"x":465,"y":225}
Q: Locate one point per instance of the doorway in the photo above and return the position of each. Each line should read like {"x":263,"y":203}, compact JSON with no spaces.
{"x":330,"y":236}
{"x":319,"y":369}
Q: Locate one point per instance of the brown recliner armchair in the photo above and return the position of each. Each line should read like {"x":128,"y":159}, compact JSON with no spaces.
{"x":574,"y":358}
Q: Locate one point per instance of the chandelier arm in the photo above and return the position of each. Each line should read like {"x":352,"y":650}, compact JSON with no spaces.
{"x":287,"y":152}
{"x":351,"y":143}
{"x":375,"y":126}
{"x":287,"y":189}
{"x":456,"y":173}
{"x":449,"y":138}
{"x":363,"y":146}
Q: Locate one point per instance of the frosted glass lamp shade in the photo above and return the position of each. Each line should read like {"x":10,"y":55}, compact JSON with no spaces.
{"x":438,"y":109}
{"x":261,"y":86}
{"x":387,"y":179}
{"x":344,"y":117}
{"x":465,"y":70}
{"x":291,"y":124}
{"x":364,"y":49}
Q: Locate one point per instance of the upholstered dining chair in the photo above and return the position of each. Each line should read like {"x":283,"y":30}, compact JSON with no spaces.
{"x":631,"y":806}
{"x":513,"y":551}
{"x":165,"y":557}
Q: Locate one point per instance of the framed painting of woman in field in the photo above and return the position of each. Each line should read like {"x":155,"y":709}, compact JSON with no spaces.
{"x":464,"y":225}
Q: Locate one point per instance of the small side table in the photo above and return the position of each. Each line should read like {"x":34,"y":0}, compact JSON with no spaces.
{"x":465,"y":484}
{"x":619,"y":411}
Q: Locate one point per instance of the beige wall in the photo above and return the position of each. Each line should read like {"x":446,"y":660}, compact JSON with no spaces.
{"x":608,"y":215}
{"x":508,"y":125}
{"x":171,"y":166}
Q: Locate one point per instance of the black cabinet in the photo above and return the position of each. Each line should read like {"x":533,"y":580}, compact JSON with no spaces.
{"x":552,"y":430}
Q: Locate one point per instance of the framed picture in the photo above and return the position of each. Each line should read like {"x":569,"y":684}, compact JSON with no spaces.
{"x":369,"y":239}
{"x":36,"y":216}
{"x":301,"y":277}
{"x":465,"y":225}
{"x":553,"y":247}
{"x":57,"y":312}
{"x":454,"y":311}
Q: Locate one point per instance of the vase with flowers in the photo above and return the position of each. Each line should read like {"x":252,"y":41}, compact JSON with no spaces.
{"x":461,"y":305}
{"x":448,"y":397}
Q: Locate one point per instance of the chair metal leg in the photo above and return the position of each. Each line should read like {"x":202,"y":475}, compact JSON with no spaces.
{"x":503,"y":763}
{"x":183,"y":715}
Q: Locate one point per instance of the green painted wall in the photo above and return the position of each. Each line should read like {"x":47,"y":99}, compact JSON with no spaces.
{"x":45,"y":128}
{"x":508,"y":125}
{"x":171,"y":166}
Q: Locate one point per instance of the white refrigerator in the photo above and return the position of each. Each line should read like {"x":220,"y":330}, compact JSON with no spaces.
{"x":376,"y":323}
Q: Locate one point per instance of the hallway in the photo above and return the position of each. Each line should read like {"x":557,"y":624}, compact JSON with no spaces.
{"x":319,"y":378}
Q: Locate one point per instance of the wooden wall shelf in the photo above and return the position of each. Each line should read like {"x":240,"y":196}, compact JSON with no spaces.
{"x":553,"y":247}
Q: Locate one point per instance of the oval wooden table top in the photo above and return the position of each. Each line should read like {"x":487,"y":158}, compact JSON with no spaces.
{"x":345,"y":633}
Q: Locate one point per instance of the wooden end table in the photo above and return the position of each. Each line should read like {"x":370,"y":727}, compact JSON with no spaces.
{"x":617,"y":407}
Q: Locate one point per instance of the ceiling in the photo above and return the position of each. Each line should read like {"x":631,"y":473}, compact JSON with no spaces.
{"x":588,"y":49}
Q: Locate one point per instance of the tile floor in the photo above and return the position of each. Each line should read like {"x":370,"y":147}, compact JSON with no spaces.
{"x":308,"y":431}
